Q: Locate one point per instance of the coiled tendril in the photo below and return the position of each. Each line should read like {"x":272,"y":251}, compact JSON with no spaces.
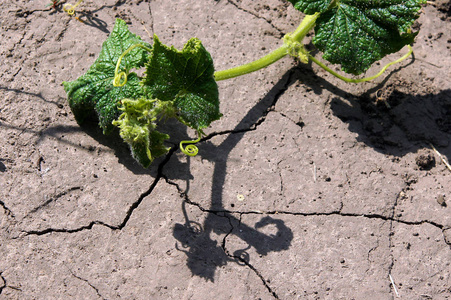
{"x":191,"y":150}
{"x":120,"y":78}
{"x":70,"y":9}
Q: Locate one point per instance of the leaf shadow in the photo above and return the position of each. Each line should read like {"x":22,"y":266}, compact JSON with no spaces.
{"x":412,"y":122}
{"x":120,"y":148}
{"x":399,"y":124}
{"x":24,"y":92}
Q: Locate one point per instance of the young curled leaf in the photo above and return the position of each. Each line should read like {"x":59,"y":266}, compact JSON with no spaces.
{"x":137,"y":126}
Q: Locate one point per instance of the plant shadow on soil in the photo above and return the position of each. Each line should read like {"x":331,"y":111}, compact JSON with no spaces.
{"x":204,"y":254}
{"x":89,"y":18}
{"x":403,"y":123}
{"x":410,"y":124}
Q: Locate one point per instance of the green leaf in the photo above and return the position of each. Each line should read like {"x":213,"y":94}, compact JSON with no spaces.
{"x":94,"y":91}
{"x":137,"y":126}
{"x":310,"y":7}
{"x":186,"y":79}
{"x":356,"y":33}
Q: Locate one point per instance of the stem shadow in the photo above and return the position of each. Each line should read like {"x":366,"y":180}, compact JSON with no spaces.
{"x":205,"y":255}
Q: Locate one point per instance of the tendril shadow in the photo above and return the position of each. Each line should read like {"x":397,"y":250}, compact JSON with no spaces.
{"x":90,"y":19}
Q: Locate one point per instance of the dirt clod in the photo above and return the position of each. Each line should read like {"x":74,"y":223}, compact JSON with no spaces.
{"x":425,"y":161}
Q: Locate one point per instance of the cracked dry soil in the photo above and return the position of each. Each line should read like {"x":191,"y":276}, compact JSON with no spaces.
{"x":307,"y":188}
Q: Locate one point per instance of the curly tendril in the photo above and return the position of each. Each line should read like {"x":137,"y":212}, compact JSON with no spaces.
{"x":120,"y":78}
{"x":191,"y":150}
{"x":70,"y":9}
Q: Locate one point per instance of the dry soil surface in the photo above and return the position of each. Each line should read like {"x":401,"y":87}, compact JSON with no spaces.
{"x":307,"y":188}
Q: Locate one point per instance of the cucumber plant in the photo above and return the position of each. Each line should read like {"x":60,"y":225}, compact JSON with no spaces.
{"x":181,"y":84}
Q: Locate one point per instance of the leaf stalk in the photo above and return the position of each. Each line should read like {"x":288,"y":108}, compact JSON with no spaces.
{"x":357,"y":80}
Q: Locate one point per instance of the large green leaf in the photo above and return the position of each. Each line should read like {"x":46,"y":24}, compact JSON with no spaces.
{"x":186,"y":79}
{"x":356,"y":33}
{"x":94,"y":91}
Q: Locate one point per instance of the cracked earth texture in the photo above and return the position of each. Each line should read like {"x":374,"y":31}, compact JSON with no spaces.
{"x":307,"y":188}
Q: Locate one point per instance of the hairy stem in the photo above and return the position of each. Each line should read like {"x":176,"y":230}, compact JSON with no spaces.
{"x":296,"y":37}
{"x":306,"y":25}
{"x":258,"y":64}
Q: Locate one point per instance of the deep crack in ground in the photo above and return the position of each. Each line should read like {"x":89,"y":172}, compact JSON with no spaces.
{"x":6,"y":209}
{"x":128,"y":214}
{"x":2,"y":283}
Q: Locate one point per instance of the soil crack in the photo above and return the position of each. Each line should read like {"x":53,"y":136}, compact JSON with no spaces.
{"x":53,"y":199}
{"x":250,"y":266}
{"x":225,"y":214}
{"x":281,"y":34}
{"x":60,"y":35}
{"x":186,"y":199}
{"x":308,"y":214}
{"x":6,"y":209}
{"x":90,"y":284}
{"x":285,"y":83}
{"x":243,"y":261}
{"x":337,"y":212}
{"x":128,"y":214}
{"x":2,"y":283}
{"x":23,"y":13}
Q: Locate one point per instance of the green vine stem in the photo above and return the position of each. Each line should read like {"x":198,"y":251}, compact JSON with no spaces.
{"x":120,"y":78}
{"x":292,"y":46}
{"x":293,"y":39}
{"x":256,"y":65}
